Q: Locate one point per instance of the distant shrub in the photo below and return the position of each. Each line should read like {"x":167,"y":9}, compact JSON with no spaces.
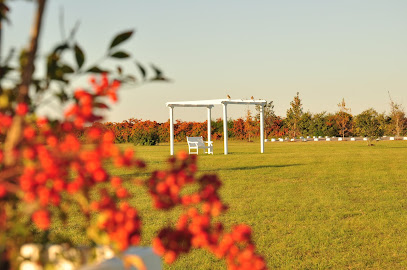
{"x":145,"y":133}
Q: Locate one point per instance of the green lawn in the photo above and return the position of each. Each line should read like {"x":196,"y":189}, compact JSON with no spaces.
{"x":314,"y":205}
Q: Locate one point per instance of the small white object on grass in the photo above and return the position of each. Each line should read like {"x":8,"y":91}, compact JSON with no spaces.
{"x":28,"y":265}
{"x":146,"y":254}
{"x":30,"y":251}
{"x":54,"y":251}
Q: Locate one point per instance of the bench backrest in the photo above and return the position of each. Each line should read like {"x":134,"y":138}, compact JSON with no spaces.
{"x":199,"y":140}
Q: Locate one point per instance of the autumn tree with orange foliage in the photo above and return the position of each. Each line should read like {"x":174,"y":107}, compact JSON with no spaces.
{"x":344,"y":119}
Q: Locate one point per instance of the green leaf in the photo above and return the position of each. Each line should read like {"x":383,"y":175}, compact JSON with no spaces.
{"x":158,"y":72}
{"x":4,"y":10}
{"x":62,"y":96}
{"x":4,"y":70}
{"x":79,"y":55}
{"x":52,"y":65}
{"x":100,"y":105}
{"x":96,"y":69}
{"x":142,"y":70}
{"x":67,"y":69}
{"x":23,"y":59}
{"x":120,"y":55}
{"x":121,"y":38}
{"x":61,"y":47}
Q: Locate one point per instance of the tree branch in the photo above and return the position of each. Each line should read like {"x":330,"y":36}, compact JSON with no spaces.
{"x":15,"y":132}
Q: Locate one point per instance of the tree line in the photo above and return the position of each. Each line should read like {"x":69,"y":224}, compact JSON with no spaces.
{"x":294,"y":124}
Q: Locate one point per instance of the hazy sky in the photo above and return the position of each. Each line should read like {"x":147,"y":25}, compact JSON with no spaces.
{"x":326,"y":50}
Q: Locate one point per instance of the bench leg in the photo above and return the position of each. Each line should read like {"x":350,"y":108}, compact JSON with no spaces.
{"x":209,"y":150}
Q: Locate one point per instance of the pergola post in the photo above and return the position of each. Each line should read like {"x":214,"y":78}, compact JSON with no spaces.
{"x":171,"y":130}
{"x":262,"y":129}
{"x":209,"y":123}
{"x":225,"y":128}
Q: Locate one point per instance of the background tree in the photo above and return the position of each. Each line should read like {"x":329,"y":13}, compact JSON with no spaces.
{"x":294,"y":115}
{"x":250,"y":125}
{"x":269,"y":117}
{"x":331,"y":125}
{"x":318,"y":126}
{"x":343,"y":119}
{"x":368,"y":124}
{"x":397,"y":116}
{"x":305,"y":124}
{"x":238,"y":130}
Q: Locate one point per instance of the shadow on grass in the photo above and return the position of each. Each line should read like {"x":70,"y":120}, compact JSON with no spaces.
{"x":253,"y":167}
{"x":397,"y":146}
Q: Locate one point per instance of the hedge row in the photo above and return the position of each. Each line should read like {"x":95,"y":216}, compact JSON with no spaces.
{"x":151,"y":132}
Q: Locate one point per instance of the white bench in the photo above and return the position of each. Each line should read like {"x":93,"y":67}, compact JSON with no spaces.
{"x":195,"y":143}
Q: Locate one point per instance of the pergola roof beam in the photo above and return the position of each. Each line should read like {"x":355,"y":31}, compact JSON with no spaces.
{"x":212,"y":102}
{"x":190,"y":105}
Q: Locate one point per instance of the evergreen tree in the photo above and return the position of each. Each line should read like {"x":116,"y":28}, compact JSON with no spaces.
{"x":294,"y":115}
{"x":397,"y":115}
{"x":269,"y":116}
{"x":368,"y":124}
{"x":250,"y":126}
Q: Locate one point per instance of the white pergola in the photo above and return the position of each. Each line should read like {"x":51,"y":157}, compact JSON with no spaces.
{"x":209,"y":104}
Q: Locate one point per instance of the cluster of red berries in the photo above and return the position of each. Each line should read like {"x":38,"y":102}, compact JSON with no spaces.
{"x":195,"y":228}
{"x":239,"y":250}
{"x":122,"y":223}
{"x":165,"y":186}
{"x":86,"y":103}
{"x":54,"y":161}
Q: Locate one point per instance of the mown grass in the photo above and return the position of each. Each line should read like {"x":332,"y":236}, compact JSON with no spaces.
{"x":314,"y":205}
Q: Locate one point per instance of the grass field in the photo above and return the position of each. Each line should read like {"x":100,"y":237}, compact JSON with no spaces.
{"x":314,"y":205}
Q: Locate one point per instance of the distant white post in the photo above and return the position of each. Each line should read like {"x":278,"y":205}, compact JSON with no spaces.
{"x":171,"y":130}
{"x":209,"y":123}
{"x":225,"y":128}
{"x":261,"y":128}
